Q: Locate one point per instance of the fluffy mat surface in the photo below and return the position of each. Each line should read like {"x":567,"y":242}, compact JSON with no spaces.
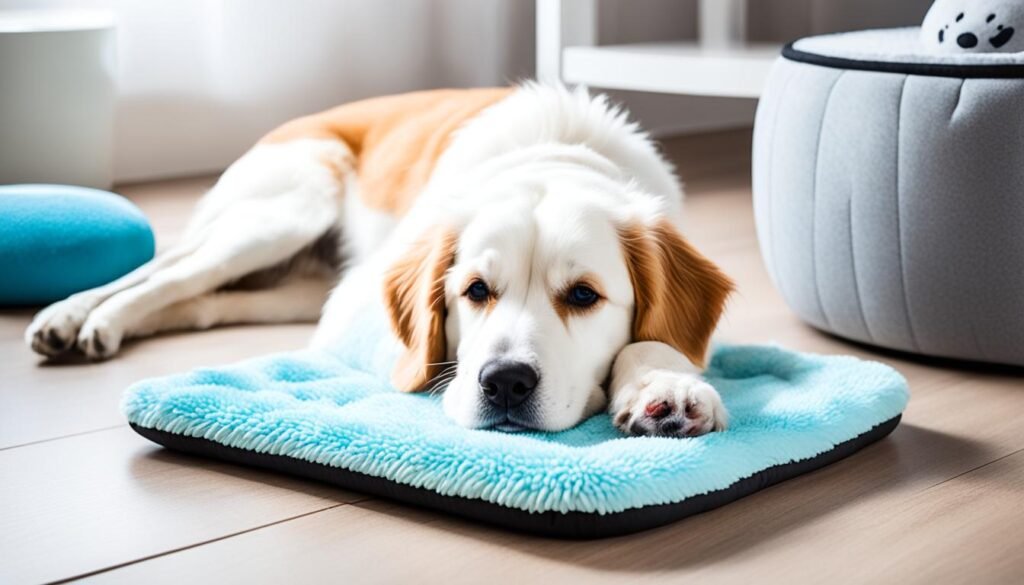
{"x":338,"y":411}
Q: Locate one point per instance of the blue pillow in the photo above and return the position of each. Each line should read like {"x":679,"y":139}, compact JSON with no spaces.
{"x":56,"y":240}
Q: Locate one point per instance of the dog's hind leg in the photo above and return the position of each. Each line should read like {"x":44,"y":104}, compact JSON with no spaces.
{"x":268,"y":205}
{"x":274,"y":202}
{"x":54,"y":330}
{"x":245,"y":240}
{"x":294,"y":300}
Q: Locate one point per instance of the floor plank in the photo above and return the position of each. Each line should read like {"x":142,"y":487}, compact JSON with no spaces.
{"x":40,"y":402}
{"x":780,"y":535}
{"x":98,"y":500}
{"x":981,"y":508}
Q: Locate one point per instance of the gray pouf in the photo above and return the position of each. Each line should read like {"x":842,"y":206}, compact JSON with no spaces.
{"x":889,"y":193}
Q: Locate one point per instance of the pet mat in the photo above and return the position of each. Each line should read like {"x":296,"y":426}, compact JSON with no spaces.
{"x":334,"y":417}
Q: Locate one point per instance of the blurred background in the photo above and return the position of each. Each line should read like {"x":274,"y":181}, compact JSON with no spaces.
{"x":197,"y":81}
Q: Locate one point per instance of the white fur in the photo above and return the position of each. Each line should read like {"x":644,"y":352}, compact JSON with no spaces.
{"x":536,"y":186}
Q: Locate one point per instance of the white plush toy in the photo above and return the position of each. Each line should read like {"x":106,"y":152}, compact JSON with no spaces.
{"x":974,"y":26}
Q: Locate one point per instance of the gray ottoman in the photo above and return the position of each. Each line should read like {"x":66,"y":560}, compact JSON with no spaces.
{"x":889,"y":193}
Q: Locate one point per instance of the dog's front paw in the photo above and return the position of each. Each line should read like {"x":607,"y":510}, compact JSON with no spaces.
{"x":99,"y":338}
{"x":671,"y":404}
{"x":55,"y":329}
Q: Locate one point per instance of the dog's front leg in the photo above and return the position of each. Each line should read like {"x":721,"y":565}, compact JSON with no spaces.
{"x":656,"y":391}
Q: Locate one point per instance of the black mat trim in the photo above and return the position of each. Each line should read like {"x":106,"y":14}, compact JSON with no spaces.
{"x":574,"y":525}
{"x":990,"y":71}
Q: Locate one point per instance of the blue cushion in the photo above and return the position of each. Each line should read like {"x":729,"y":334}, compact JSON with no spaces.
{"x":334,"y":416}
{"x":57,"y":240}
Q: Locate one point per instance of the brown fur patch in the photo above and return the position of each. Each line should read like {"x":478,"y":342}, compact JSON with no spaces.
{"x":414,"y":294}
{"x":679,"y":293}
{"x":396,"y":140}
{"x":338,"y":167}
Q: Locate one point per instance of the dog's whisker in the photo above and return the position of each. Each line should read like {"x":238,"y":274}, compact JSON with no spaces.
{"x":446,"y":379}
{"x":442,"y":363}
{"x":443,"y":378}
{"x":440,"y":385}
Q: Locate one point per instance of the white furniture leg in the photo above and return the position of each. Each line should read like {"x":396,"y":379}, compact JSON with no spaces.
{"x":722,"y":23}
{"x":562,"y":23}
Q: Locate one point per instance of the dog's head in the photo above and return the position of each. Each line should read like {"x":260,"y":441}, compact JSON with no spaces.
{"x":534,"y":297}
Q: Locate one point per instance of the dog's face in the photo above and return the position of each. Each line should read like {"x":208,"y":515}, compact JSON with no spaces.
{"x":534,"y":297}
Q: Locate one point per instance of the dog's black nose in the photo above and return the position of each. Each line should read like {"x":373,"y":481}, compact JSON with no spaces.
{"x":967,"y":41}
{"x":507,"y":384}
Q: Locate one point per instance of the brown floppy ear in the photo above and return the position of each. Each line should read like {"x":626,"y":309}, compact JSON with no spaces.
{"x":679,"y":293}
{"x":415,"y":300}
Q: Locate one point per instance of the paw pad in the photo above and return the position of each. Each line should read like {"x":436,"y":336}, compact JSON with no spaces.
{"x":658,"y":409}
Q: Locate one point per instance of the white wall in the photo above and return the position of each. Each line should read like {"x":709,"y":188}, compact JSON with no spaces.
{"x":200,"y":80}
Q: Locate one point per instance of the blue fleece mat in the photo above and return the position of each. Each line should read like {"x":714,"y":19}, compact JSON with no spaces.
{"x":338,"y":410}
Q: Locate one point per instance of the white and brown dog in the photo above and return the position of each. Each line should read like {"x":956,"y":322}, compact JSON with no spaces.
{"x":522,"y":240}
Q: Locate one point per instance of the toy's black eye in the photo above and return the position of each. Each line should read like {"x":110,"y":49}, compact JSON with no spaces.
{"x":477,"y":291}
{"x":959,"y":17}
{"x":582,"y":295}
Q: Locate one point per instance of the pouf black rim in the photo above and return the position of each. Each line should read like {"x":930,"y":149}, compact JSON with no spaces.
{"x":572,"y":525}
{"x":981,"y":71}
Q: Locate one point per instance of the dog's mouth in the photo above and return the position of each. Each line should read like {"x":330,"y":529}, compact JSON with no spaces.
{"x":518,"y":419}
{"x":510,"y":427}
{"x":509,"y":422}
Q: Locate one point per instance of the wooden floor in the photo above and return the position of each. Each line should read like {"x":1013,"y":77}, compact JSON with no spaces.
{"x":939,"y":501}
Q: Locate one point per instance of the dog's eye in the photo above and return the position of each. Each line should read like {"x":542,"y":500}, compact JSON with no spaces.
{"x":477,"y":291}
{"x":581,"y":295}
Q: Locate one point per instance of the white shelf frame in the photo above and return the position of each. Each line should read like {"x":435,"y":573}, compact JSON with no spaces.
{"x":720,"y":63}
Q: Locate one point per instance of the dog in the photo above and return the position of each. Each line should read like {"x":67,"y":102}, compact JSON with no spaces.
{"x":525,"y":243}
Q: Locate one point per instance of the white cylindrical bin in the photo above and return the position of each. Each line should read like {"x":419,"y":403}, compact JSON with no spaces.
{"x":57,"y":90}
